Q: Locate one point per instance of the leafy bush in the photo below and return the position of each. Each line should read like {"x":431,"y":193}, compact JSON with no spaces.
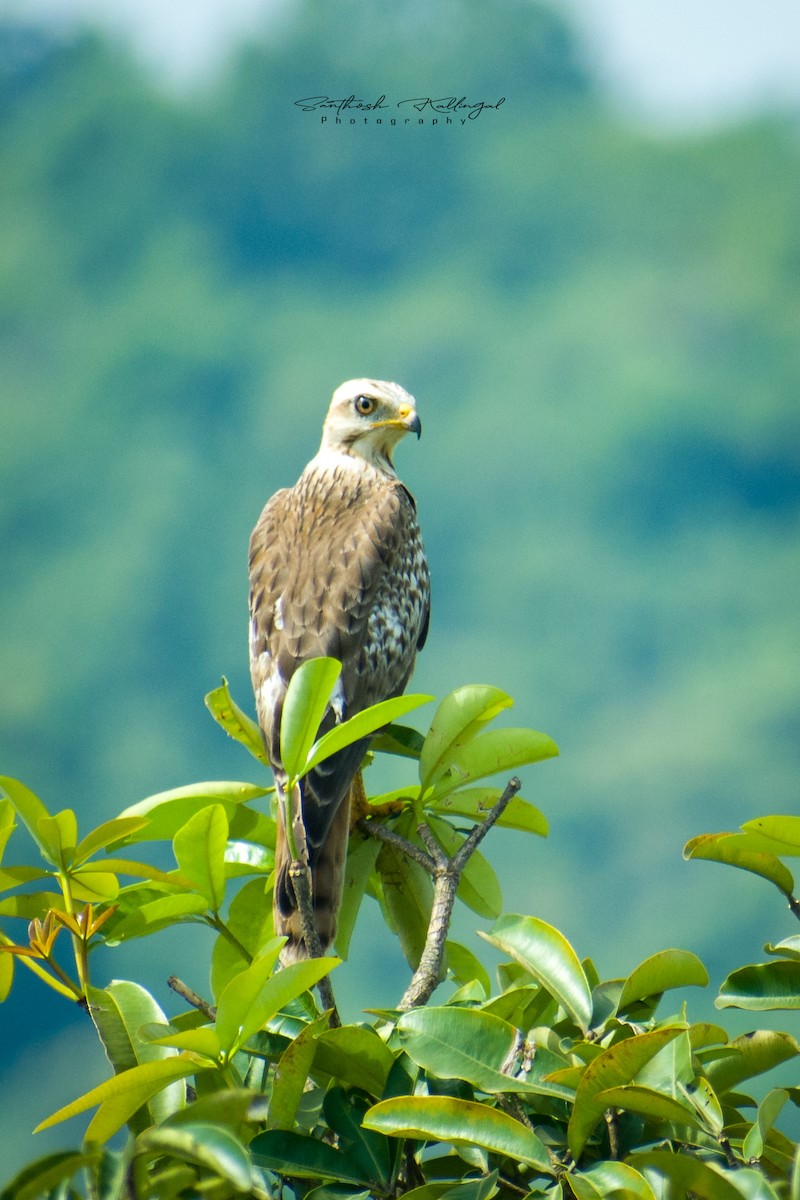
{"x":556,"y":1083}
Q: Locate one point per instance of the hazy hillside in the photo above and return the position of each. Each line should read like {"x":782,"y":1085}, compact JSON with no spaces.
{"x":602,"y":332}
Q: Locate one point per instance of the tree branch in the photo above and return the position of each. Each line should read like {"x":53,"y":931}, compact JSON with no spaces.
{"x":186,"y":993}
{"x":382,"y":834}
{"x":446,"y":874}
{"x":300,"y":879}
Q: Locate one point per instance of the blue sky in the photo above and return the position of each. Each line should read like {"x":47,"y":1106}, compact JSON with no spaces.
{"x":675,"y":62}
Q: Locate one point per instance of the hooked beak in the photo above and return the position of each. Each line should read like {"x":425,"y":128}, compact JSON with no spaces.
{"x":407,"y":420}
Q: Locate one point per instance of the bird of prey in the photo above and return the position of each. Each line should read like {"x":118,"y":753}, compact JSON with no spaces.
{"x":337,"y":568}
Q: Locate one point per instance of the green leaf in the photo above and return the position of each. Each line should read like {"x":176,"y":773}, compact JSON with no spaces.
{"x":118,"y":1012}
{"x":291,"y":1074}
{"x":689,"y":1175}
{"x":751,"y":1185}
{"x":250,"y":921}
{"x":304,"y":1157}
{"x":252,"y":997}
{"x":475,"y":804}
{"x":736,"y":850}
{"x":768,"y":1112}
{"x":250,"y":826}
{"x":7,"y":824}
{"x":656,"y":1106}
{"x":522,"y":1007}
{"x":620,"y":1064}
{"x":157,"y":914}
{"x":459,"y":717}
{"x":788,"y":948}
{"x":478,"y":887}
{"x":234,"y":1108}
{"x":466,"y":966}
{"x":106,"y":834}
{"x":11,"y":877}
{"x":29,"y":809}
{"x":120,"y":1097}
{"x":463,"y":1122}
{"x":203,"y":1040}
{"x":199,"y":848}
{"x":497,"y":750}
{"x":433,"y":1191}
{"x":208,"y":1146}
{"x":671,"y":1067}
{"x":783,"y":831}
{"x":30,"y":905}
{"x":93,"y":887}
{"x":706,"y":1103}
{"x":344,"y":1112}
{"x":461,"y":1043}
{"x":474,"y":1189}
{"x":236,"y":723}
{"x":123,"y":866}
{"x":762,"y":986}
{"x":662,"y":971}
{"x":43,"y":1176}
{"x":406,"y":892}
{"x":355,"y":1054}
{"x":703,"y":1033}
{"x":610,"y":1179}
{"x":362,"y":854}
{"x":166,"y":812}
{"x":400,"y":740}
{"x":548,"y":957}
{"x":60,"y":835}
{"x":361,"y":725}
{"x":754,"y":1054}
{"x":304,"y":706}
{"x":247,"y":858}
{"x":6,"y":975}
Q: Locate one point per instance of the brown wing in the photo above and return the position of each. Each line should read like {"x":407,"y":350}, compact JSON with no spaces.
{"x":336,"y":568}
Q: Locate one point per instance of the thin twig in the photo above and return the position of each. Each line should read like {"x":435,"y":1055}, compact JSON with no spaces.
{"x":479,"y":832}
{"x":191,"y":997}
{"x":446,"y":873}
{"x":216,"y":922}
{"x":612,"y":1123}
{"x":727,"y":1150}
{"x":382,"y":834}
{"x":300,"y":876}
{"x":300,"y":879}
{"x":511,"y":1104}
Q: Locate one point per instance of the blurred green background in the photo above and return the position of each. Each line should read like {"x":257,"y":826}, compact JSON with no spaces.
{"x":600,"y":320}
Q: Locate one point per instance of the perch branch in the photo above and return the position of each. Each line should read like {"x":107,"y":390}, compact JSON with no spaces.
{"x":382,"y":834}
{"x":446,"y":874}
{"x":191,"y":997}
{"x":300,"y":879}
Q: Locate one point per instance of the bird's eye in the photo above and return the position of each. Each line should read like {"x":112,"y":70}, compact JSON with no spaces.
{"x":365,"y":405}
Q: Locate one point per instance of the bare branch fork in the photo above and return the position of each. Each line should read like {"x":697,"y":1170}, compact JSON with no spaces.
{"x":446,"y":873}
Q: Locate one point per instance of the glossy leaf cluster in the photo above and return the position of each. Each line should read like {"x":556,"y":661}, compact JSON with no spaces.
{"x":556,"y":1082}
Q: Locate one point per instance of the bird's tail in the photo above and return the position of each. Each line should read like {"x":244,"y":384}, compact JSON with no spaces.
{"x":327,"y":886}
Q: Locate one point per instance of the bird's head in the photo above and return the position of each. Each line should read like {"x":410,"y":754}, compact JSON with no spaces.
{"x":368,"y":417}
